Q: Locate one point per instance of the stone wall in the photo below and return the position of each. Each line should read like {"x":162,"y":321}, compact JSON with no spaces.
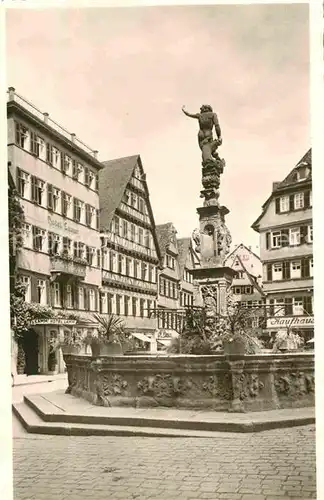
{"x":241,"y":383}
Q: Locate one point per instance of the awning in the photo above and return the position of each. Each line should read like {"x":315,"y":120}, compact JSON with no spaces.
{"x":164,"y":342}
{"x":141,"y":336}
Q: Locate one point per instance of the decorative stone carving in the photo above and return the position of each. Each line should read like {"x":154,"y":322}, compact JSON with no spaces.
{"x":294,"y":384}
{"x":114,"y":385}
{"x":250,"y":386}
{"x":219,"y":387}
{"x":162,"y":385}
{"x":196,"y":238}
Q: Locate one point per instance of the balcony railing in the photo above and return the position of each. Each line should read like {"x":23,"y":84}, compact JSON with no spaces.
{"x":128,"y":281}
{"x":68,"y":267}
{"x":13,"y":96}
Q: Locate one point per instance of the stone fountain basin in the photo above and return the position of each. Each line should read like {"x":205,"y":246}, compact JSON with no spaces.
{"x":218,"y":382}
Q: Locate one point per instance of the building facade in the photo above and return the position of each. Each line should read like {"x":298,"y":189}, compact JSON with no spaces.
{"x":188,"y":260}
{"x":130,"y":251}
{"x":56,"y":177}
{"x":286,"y":243}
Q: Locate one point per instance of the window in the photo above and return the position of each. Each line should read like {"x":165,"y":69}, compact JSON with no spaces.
{"x":104,"y":258}
{"x":127,"y":266}
{"x":174,"y":290}
{"x":310,"y":234}
{"x":53,"y":198}
{"x":237,"y":290}
{"x":69,"y":302}
{"x":126,"y":305}
{"x":77,"y":169}
{"x":118,"y":301}
{"x":81,"y":297}
{"x":39,"y":239}
{"x":294,"y":236}
{"x":311,"y":265}
{"x":133,"y":200}
{"x":136,"y":263}
{"x":116,"y":225}
{"x":27,"y":235}
{"x":112,"y":257}
{"x":78,"y":249}
{"x":77,"y":209}
{"x":125,"y":228}
{"x":56,"y":157}
{"x":277,"y":271}
{"x":103,"y":303}
{"x":91,"y":182}
{"x":66,"y":204}
{"x":150,"y":274}
{"x":86,"y":179}
{"x":92,"y":300}
{"x":23,"y":181}
{"x":41,"y":292}
{"x":90,"y":255}
{"x":140,"y":236}
{"x":295,"y":269}
{"x":90,"y":214}
{"x":276,"y":239}
{"x":25,"y":280}
{"x":54,"y":244}
{"x":67,"y":246}
{"x":141,"y":205}
{"x":298,"y":309}
{"x":299,"y":200}
{"x":248,"y":290}
{"x":37,"y":190}
{"x":22,"y":136}
{"x":147,"y":239}
{"x":110,"y":303}
{"x":120,"y":264}
{"x":142,"y":308}
{"x":143,"y":271}
{"x":284,"y":203}
{"x":132,"y":235}
{"x":134,"y":306}
{"x":56,"y":295}
{"x":67,"y":165}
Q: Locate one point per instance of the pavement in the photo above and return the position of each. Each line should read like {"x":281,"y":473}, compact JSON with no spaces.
{"x":37,"y":379}
{"x":269,"y":465}
{"x":274,"y":464}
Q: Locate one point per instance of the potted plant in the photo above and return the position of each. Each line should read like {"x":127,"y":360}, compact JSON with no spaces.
{"x":110,"y":336}
{"x":72,"y":343}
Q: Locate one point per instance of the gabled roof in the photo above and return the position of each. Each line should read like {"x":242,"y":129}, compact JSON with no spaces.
{"x":113,"y":180}
{"x":184,"y":247}
{"x":253,"y":281}
{"x":165,"y":233}
{"x":288,"y":181}
{"x":241,"y":245}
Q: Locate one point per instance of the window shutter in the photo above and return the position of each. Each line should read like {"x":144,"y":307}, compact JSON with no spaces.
{"x":48,"y":153}
{"x":86,"y":176}
{"x":34,"y":237}
{"x":269,"y":272}
{"x":63,"y":198}
{"x":268,"y":240}
{"x":97,"y":182}
{"x":303,"y":234}
{"x":74,"y":208}
{"x":291,"y":202}
{"x":288,"y":306}
{"x":86,"y":299}
{"x":307,"y":305}
{"x":98,"y":258}
{"x":50,"y":196}
{"x":74,"y":169}
{"x":33,"y":142}
{"x":307,"y":199}
{"x":97,"y":219}
{"x":33,"y":188}
{"x":277,"y":205}
{"x":75,"y":248}
{"x":286,"y":270}
{"x":33,"y":289}
{"x":305,"y":265}
{"x":87,"y":254}
{"x":284,"y":237}
{"x":50,"y":243}
{"x":87,"y":212}
{"x":62,"y":161}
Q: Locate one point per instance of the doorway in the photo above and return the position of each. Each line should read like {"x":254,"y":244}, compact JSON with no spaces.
{"x":30,"y":345}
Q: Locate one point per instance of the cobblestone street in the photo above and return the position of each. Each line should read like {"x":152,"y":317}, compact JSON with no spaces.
{"x":261,"y":466}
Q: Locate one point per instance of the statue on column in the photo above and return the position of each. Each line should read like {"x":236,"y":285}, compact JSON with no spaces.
{"x":207,"y":120}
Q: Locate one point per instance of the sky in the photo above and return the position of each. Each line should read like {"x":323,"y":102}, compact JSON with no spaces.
{"x":118,"y":78}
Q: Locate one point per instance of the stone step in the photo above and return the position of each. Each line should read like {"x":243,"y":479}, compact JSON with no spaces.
{"x":62,"y":408}
{"x":35,"y":425}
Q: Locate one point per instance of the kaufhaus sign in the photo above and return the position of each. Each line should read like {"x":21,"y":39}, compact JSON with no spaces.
{"x":54,"y":321}
{"x":291,"y":322}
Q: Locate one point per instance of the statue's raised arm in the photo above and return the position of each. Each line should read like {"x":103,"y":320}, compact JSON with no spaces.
{"x":196,"y":115}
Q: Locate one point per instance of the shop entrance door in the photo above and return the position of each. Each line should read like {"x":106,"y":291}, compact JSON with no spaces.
{"x":30,"y":345}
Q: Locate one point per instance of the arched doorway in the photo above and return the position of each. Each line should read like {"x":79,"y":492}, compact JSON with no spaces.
{"x":30,"y":346}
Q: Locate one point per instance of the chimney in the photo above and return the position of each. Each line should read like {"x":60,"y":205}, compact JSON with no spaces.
{"x":73,"y":136}
{"x":11,"y":91}
{"x":95,"y":154}
{"x":46,"y":115}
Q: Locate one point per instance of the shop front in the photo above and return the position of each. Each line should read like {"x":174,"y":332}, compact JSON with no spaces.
{"x":45,"y":352}
{"x":301,"y":325}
